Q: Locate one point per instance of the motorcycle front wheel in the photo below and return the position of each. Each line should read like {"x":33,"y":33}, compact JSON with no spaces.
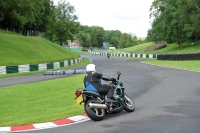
{"x":93,"y":113}
{"x":129,"y":105}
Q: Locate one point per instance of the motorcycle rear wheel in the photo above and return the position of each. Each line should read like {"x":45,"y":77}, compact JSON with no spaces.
{"x":93,"y":113}
{"x":129,"y":105}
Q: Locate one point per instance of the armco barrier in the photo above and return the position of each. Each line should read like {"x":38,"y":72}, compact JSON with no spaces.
{"x":149,"y":56}
{"x":37,"y":67}
{"x":181,"y":57}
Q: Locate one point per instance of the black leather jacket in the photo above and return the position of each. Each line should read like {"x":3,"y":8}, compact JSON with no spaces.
{"x":93,"y":78}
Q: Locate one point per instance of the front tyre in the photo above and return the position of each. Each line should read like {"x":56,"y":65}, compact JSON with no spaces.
{"x":93,"y":113}
{"x":129,"y":105}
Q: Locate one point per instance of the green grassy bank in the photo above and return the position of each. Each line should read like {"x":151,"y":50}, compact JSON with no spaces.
{"x":16,"y":49}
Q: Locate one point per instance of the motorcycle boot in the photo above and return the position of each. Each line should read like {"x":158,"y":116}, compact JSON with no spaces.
{"x":112,"y":103}
{"x":109,"y":100}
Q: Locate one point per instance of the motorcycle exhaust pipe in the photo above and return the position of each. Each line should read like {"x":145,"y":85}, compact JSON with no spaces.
{"x":97,"y":106}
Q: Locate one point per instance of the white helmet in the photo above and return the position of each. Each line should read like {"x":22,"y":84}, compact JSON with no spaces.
{"x":90,"y":67}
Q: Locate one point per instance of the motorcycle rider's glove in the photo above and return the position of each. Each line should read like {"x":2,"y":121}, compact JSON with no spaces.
{"x":113,"y":79}
{"x":109,"y":79}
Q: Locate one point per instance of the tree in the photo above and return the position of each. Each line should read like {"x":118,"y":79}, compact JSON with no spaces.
{"x":175,"y":20}
{"x":190,"y":10}
{"x":46,"y":16}
{"x":97,"y":36}
{"x":65,"y":25}
{"x":167,"y":24}
{"x":123,"y":40}
{"x":88,"y":40}
{"x":23,"y":15}
{"x":17,"y":13}
{"x":84,"y":39}
{"x":2,"y":10}
{"x":94,"y":36}
{"x":114,"y":37}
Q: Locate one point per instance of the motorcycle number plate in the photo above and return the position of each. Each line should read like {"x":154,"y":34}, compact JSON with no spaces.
{"x":79,"y":99}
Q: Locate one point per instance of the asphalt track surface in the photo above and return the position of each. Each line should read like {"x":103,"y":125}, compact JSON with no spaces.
{"x":167,"y":100}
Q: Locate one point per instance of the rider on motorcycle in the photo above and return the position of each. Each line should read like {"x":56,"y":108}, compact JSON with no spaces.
{"x":108,"y":55}
{"x":92,"y":82}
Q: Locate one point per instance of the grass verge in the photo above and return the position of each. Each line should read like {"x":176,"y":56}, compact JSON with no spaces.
{"x":185,"y":65}
{"x":40,"y":102}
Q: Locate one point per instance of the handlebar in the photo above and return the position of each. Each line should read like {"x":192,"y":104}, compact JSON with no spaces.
{"x":112,"y":79}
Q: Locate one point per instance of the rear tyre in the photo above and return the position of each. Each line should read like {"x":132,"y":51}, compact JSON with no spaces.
{"x":93,"y":113}
{"x":129,"y":105}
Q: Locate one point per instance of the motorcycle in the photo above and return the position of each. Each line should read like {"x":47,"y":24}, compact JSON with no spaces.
{"x":96,"y":105}
{"x":108,"y":55}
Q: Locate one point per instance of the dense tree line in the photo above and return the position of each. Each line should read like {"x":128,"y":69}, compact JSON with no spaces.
{"x":25,"y":14}
{"x":94,"y":36}
{"x":175,"y":21}
{"x":57,"y":23}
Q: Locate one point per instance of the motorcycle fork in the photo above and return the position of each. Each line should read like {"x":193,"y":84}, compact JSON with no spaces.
{"x":119,"y":97}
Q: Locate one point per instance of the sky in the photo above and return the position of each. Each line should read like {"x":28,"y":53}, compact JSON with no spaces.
{"x":127,"y":16}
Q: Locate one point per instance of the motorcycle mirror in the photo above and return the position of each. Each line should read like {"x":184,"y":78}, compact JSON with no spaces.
{"x":118,"y":73}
